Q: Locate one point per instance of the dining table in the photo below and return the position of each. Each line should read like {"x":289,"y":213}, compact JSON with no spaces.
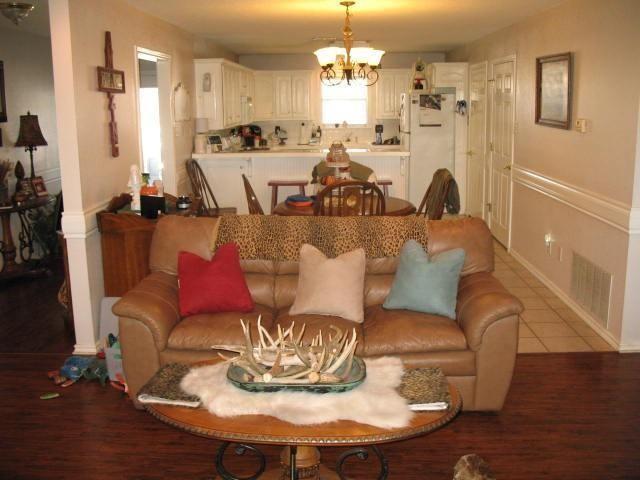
{"x":394,"y":207}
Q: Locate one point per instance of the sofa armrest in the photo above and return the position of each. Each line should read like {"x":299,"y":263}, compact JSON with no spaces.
{"x":482,"y":300}
{"x":154,"y":302}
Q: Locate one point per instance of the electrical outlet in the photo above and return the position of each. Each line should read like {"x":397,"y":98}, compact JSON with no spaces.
{"x":560,"y":253}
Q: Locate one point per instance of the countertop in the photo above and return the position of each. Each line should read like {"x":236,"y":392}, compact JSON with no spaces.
{"x":314,"y":151}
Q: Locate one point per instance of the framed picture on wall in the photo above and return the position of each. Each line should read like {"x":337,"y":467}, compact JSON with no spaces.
{"x":110,"y":80}
{"x":3,"y":100}
{"x":553,"y":90}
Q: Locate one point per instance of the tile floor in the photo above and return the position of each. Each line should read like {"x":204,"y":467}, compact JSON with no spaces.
{"x":547,"y":323}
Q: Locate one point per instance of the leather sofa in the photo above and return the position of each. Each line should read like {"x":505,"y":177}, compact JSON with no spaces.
{"x":476,"y":351}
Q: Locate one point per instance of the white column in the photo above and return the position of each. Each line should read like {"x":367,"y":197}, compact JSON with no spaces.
{"x":78,"y":222}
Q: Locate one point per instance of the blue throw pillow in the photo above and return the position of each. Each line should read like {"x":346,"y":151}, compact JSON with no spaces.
{"x":423,"y":284}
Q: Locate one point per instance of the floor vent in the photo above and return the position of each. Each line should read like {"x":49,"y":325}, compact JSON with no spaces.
{"x":591,"y":288}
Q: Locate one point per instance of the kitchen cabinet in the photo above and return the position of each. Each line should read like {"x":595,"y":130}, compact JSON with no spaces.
{"x":224,"y":93}
{"x":391,"y":84}
{"x":283,"y":95}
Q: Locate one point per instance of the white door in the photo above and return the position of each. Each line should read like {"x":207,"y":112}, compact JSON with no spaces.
{"x":501,"y":147}
{"x":283,"y":95}
{"x":300,"y":88}
{"x":263,"y":100}
{"x":477,"y":137}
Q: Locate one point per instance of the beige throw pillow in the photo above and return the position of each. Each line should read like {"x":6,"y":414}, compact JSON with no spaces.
{"x":330,"y":286}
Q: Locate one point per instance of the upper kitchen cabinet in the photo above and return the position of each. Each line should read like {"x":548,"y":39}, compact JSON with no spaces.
{"x":391,"y":84}
{"x":224,"y":93}
{"x":452,"y":74}
{"x":283,"y":95}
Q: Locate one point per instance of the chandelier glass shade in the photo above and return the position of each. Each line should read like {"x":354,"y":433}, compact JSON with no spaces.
{"x":354,"y":61}
{"x":15,"y":11}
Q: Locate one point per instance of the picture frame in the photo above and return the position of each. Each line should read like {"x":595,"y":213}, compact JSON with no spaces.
{"x":3,"y":100}
{"x":553,"y":90}
{"x":38,"y":187}
{"x":111,"y":80}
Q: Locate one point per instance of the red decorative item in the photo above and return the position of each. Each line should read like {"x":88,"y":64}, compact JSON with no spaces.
{"x":213,"y":286}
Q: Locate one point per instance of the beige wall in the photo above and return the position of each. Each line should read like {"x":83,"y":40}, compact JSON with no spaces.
{"x":604,"y":38}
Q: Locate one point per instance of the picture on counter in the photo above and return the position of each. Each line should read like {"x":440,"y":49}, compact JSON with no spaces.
{"x":553,"y":90}
{"x":434,"y":102}
{"x":3,"y":101}
{"x":110,"y":80}
{"x":38,"y":186}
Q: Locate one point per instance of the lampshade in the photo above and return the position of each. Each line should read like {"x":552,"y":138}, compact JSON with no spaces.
{"x":30,"y":134}
{"x":327,"y":55}
{"x":361,"y":54}
{"x":375,"y":56}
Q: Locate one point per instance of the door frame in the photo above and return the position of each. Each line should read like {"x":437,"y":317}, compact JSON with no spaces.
{"x":170,"y":168}
{"x":491,"y":82}
{"x":484,"y":64}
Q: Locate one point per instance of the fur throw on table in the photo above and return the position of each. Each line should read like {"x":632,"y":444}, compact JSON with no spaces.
{"x":376,"y":402}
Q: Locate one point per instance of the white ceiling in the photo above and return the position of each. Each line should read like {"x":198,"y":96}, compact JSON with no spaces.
{"x":289,"y":26}
{"x":37,"y":22}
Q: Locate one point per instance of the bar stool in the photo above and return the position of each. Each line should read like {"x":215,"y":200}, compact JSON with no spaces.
{"x":385,"y":186}
{"x":274,"y":184}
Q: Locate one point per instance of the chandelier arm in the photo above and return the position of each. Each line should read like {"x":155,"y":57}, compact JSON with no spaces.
{"x":372,"y":77}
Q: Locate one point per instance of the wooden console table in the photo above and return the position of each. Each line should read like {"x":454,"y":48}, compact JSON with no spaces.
{"x":11,"y":269}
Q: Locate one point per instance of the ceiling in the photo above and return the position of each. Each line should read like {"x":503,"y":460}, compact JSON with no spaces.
{"x":37,"y":22}
{"x":289,"y":26}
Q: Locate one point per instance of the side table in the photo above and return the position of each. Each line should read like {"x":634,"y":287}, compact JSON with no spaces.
{"x":11,"y":269}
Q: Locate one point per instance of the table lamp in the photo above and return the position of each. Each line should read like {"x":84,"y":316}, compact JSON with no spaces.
{"x":30,"y":136}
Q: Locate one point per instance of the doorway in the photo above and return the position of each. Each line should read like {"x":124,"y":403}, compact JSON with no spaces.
{"x":154,"y":117}
{"x":501,"y":136}
{"x":476,"y":154}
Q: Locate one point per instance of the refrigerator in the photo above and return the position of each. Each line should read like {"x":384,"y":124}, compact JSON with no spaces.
{"x":427,"y":131}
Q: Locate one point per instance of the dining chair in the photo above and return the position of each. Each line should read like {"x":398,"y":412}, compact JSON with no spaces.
{"x":435,"y":198}
{"x":200,"y":188}
{"x":348,"y":198}
{"x":252,"y":200}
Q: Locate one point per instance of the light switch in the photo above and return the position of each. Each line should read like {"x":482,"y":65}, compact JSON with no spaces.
{"x":582,"y":125}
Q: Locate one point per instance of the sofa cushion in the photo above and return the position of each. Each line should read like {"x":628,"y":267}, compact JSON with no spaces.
{"x":426,"y":284}
{"x":330,"y":286}
{"x":200,"y":332}
{"x":315,"y":323}
{"x":389,"y":332}
{"x":212,"y":286}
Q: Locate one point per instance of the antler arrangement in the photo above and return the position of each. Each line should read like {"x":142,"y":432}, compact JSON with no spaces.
{"x":286,"y":359}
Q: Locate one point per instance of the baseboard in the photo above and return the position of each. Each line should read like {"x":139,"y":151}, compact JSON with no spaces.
{"x":84,"y":349}
{"x":577,"y":309}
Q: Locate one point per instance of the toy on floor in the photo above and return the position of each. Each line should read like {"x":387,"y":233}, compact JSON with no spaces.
{"x":76,"y":367}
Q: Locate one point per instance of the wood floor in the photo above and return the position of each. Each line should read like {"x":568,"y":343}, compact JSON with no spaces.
{"x":568,"y":416}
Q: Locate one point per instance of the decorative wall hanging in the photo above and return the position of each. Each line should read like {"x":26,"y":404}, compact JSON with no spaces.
{"x":111,"y":81}
{"x":181,"y":104}
{"x":3,"y":101}
{"x":553,"y":90}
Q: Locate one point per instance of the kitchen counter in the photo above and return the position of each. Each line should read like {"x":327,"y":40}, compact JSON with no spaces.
{"x":308,"y":151}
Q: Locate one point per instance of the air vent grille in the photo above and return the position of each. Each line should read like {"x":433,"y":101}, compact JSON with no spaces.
{"x":591,"y":288}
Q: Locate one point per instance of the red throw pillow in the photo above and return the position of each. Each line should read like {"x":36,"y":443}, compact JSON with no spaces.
{"x":213,"y":286}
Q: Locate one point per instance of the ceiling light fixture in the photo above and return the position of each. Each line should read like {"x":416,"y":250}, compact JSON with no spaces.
{"x":16,"y":11}
{"x":354,"y":61}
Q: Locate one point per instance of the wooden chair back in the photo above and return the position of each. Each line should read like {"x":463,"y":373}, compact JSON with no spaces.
{"x":348,"y":198}
{"x":200,"y":188}
{"x":252,"y":200}
{"x":432,"y":204}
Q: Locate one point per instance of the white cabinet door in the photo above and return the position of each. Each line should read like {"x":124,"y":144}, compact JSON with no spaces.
{"x":236,"y":102}
{"x":283,"y":95}
{"x":300,"y":88}
{"x":400,"y":86}
{"x":263,"y":100}
{"x":227,"y":95}
{"x":385,"y":96}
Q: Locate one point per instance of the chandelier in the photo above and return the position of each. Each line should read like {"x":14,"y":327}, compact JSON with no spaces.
{"x":354,"y":61}
{"x":15,"y":11}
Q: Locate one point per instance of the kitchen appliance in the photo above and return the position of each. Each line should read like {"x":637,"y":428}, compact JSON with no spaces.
{"x":379,"y":130}
{"x":427,"y":130}
{"x":251,"y":135}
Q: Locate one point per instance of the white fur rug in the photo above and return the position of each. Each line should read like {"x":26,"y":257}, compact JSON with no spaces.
{"x":375,"y":402}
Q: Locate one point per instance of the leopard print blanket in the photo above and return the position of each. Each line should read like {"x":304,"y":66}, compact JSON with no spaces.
{"x":271,"y":237}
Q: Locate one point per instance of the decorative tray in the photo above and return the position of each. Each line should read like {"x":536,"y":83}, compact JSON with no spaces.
{"x":237,"y":376}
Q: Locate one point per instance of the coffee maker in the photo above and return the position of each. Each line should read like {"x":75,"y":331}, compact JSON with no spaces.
{"x":251,"y":135}
{"x":378,"y":135}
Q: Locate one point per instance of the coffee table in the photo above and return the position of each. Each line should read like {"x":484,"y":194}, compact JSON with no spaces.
{"x":300,"y":457}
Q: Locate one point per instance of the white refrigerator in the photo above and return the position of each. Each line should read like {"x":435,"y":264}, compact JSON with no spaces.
{"x":427,"y":130}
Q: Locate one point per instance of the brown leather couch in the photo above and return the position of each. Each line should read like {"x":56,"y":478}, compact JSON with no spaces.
{"x":477,"y":351}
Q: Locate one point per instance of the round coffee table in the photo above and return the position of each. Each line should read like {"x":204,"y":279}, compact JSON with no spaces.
{"x":300,"y":458}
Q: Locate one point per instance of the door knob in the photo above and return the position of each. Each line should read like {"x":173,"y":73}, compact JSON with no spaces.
{"x":470,"y":153}
{"x":507,"y":167}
